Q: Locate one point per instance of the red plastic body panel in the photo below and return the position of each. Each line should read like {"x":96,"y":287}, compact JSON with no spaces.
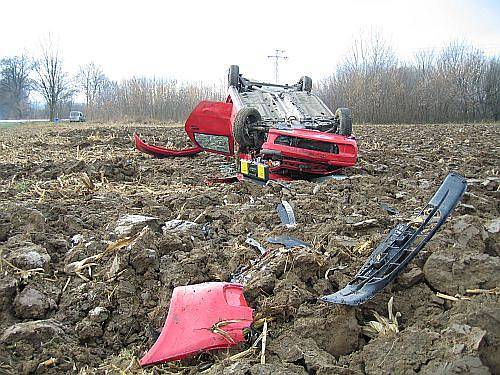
{"x":213,"y":118}
{"x":194,"y":310}
{"x":347,"y":147}
{"x":161,"y":151}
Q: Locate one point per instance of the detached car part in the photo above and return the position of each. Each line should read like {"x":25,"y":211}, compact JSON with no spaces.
{"x":201,"y":317}
{"x":286,"y":214}
{"x":161,"y":152}
{"x":255,"y":244}
{"x":276,"y":131}
{"x":288,"y":241}
{"x":401,"y":245}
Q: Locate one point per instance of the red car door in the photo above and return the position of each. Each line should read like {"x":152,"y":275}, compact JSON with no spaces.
{"x":209,"y":126}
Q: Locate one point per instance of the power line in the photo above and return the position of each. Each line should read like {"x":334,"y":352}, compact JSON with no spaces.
{"x":279,"y":54}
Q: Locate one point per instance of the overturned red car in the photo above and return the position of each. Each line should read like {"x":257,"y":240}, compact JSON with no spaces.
{"x":275,"y":131}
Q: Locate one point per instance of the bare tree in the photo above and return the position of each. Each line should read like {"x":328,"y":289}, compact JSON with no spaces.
{"x":461,"y":67}
{"x":91,"y":81}
{"x":365,"y":79}
{"x":491,"y":89}
{"x":458,"y":83}
{"x":51,"y":80}
{"x":15,"y":85}
{"x":151,"y":99}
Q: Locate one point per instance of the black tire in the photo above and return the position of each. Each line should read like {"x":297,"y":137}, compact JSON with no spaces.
{"x":233,"y":76}
{"x":344,"y":117}
{"x":241,"y":132}
{"x":306,"y":84}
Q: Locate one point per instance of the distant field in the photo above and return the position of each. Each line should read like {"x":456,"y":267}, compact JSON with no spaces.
{"x":7,"y":124}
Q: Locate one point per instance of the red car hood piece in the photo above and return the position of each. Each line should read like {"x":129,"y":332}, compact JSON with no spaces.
{"x":161,"y":151}
{"x":201,"y":317}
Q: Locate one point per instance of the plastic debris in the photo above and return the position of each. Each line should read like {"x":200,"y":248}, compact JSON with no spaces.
{"x":179,"y":225}
{"x":288,"y":241}
{"x":390,"y":210}
{"x":286,"y":214}
{"x":401,"y":245}
{"x":126,"y":224}
{"x":254,"y":243}
{"x":201,"y":317}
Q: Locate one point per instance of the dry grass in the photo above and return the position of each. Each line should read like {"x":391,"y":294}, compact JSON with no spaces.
{"x":382,"y":325}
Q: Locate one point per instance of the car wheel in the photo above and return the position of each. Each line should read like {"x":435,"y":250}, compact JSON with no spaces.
{"x":242,"y":131}
{"x":233,"y":76}
{"x":306,"y":84}
{"x":344,"y":118}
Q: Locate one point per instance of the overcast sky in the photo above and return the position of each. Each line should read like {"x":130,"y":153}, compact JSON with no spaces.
{"x":198,"y":40}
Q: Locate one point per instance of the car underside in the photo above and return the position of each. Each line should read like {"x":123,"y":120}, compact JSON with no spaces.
{"x":275,"y":131}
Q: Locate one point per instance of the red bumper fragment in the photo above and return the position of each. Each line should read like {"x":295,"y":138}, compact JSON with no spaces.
{"x":160,"y":152}
{"x":196,"y":313}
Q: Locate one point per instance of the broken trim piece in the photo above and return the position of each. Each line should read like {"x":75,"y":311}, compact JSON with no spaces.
{"x":255,"y":244}
{"x":401,"y":245}
{"x":288,"y":242}
{"x":201,"y":317}
{"x":161,"y":152}
{"x":286,"y":214}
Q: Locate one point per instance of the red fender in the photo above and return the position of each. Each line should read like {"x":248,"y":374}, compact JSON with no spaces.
{"x":194,"y":311}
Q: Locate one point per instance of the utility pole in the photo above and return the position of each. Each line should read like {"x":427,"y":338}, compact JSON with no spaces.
{"x":280,"y":54}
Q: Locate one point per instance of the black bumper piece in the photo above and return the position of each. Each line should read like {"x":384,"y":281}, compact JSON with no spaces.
{"x":401,"y":245}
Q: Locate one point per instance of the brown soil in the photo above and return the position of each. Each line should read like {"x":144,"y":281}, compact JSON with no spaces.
{"x":65,"y":187}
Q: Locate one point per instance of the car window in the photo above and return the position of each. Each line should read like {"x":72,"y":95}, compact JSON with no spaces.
{"x":218,"y":143}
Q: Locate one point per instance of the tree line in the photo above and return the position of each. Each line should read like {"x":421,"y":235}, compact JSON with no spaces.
{"x":458,"y":83}
{"x":134,"y":99}
{"x":455,"y":84}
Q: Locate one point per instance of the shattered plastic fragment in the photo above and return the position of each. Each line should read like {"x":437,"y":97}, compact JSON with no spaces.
{"x":493,"y":226}
{"x":288,"y":241}
{"x":401,"y":245}
{"x":201,"y":317}
{"x":286,"y":214}
{"x":254,"y":243}
{"x":390,"y":210}
{"x":336,"y":177}
{"x":126,"y":223}
{"x":76,"y":239}
{"x":178,"y":225}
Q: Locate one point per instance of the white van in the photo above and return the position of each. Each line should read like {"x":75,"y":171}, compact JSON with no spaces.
{"x":76,"y":116}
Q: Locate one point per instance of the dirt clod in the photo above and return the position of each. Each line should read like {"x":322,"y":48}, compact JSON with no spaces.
{"x":452,"y":272}
{"x":34,"y":332}
{"x":32,"y":304}
{"x":29,"y":256}
{"x":8,"y":289}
